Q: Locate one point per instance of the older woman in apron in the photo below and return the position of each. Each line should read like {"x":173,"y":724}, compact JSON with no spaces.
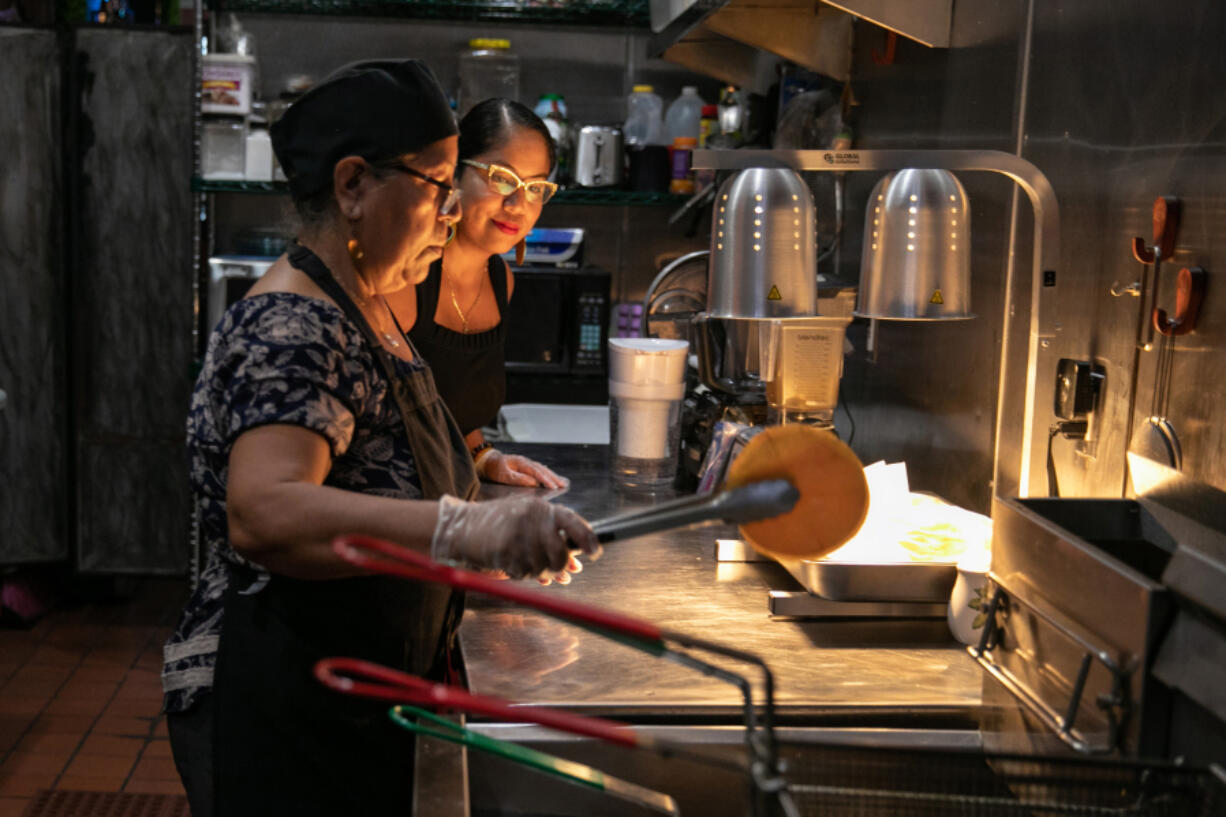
{"x":314,"y":416}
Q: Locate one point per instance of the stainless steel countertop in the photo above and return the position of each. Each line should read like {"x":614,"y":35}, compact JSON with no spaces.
{"x":888,"y":673}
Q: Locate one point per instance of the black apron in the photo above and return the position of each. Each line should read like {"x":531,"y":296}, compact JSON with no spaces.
{"x":470,"y":370}
{"x":283,"y":743}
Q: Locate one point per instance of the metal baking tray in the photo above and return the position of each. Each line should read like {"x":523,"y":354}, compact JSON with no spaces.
{"x":901,"y":581}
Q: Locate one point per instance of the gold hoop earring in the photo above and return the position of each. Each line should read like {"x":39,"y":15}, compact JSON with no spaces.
{"x":451,"y":231}
{"x":355,"y":250}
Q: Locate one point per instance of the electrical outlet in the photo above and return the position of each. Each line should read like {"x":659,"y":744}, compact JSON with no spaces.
{"x":1079,"y":390}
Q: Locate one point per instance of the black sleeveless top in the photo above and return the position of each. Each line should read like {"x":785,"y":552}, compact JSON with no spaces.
{"x":469,"y":369}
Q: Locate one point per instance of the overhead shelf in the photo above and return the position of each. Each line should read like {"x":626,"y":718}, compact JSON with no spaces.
{"x":630,"y":13}
{"x":571,"y":196}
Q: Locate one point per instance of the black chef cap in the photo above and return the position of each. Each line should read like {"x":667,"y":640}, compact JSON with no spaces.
{"x":376,"y":110}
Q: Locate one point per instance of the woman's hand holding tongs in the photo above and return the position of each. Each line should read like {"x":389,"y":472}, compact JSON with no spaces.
{"x":519,"y":535}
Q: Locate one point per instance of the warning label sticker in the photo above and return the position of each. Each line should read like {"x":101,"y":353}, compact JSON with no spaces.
{"x":774,"y":295}
{"x":936,"y":297}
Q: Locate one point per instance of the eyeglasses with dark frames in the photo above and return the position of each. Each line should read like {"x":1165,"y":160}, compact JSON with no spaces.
{"x":449,"y":195}
{"x":504,"y":181}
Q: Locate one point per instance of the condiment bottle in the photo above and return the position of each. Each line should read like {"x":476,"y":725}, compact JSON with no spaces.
{"x":683,"y":179}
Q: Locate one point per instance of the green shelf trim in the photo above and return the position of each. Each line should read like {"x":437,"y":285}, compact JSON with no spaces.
{"x":200,"y":185}
{"x":574,"y":195}
{"x":632,"y":13}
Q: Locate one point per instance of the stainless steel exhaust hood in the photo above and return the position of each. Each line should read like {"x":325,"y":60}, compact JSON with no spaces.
{"x":722,"y":38}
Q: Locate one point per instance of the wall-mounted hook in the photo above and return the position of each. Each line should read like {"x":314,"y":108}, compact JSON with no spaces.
{"x":1166,"y":227}
{"x":1189,"y":294}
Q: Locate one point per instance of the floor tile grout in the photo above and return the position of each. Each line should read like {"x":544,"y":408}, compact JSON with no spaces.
{"x":103,"y":631}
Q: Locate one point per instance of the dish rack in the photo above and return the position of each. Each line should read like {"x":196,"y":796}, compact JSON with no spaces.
{"x":784,"y":778}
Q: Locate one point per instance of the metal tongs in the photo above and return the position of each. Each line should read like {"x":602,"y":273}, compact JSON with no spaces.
{"x":748,"y":503}
{"x":352,"y":676}
{"x":421,"y":722}
{"x":383,"y":557}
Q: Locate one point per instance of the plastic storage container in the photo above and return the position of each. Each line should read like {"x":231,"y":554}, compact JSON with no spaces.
{"x":259,"y":155}
{"x":223,"y":148}
{"x":684,"y":116}
{"x":226,"y":82}
{"x":644,"y":121}
{"x":488,"y":68}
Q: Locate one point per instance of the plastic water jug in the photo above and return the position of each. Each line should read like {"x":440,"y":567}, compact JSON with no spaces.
{"x":684,"y":116}
{"x":644,"y":123}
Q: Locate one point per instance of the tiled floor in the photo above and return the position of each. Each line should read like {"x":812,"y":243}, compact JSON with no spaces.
{"x":81,"y":699}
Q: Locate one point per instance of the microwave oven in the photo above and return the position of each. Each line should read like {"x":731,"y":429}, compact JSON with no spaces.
{"x":558,"y":322}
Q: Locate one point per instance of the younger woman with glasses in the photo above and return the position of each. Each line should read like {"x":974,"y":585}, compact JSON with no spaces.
{"x":505,"y":157}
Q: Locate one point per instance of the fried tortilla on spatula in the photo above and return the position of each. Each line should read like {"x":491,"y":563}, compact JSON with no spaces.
{"x":833,"y":492}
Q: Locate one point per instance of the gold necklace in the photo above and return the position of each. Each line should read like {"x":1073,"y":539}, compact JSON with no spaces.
{"x":456,"y":302}
{"x":387,"y":336}
{"x":361,"y":301}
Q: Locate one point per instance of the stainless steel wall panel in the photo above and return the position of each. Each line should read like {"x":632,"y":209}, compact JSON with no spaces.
{"x":1123,"y":103}
{"x":1127,"y":105}
{"x":34,"y":487}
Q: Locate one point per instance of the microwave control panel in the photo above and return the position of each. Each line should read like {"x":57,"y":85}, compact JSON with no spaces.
{"x":590,"y":330}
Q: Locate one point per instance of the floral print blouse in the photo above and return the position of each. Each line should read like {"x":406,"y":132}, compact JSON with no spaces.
{"x":287,"y":359}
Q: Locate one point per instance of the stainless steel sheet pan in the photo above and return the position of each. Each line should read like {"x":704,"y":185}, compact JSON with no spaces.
{"x":902,"y":581}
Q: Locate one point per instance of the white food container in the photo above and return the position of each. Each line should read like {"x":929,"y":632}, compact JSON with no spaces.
{"x":226,"y":81}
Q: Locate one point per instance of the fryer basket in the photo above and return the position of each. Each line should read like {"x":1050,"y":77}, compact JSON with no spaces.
{"x":857,"y":781}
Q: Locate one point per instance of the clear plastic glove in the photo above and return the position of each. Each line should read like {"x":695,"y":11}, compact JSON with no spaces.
{"x":519,"y":535}
{"x":573,"y":566}
{"x":512,"y":469}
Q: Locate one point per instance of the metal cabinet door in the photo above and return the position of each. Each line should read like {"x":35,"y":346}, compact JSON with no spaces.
{"x":132,"y":295}
{"x":34,"y":486}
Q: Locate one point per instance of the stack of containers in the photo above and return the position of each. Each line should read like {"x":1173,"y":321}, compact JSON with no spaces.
{"x":227,"y":82}
{"x":646,"y":386}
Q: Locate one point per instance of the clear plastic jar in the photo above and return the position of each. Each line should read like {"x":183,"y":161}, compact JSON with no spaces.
{"x":488,"y":68}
